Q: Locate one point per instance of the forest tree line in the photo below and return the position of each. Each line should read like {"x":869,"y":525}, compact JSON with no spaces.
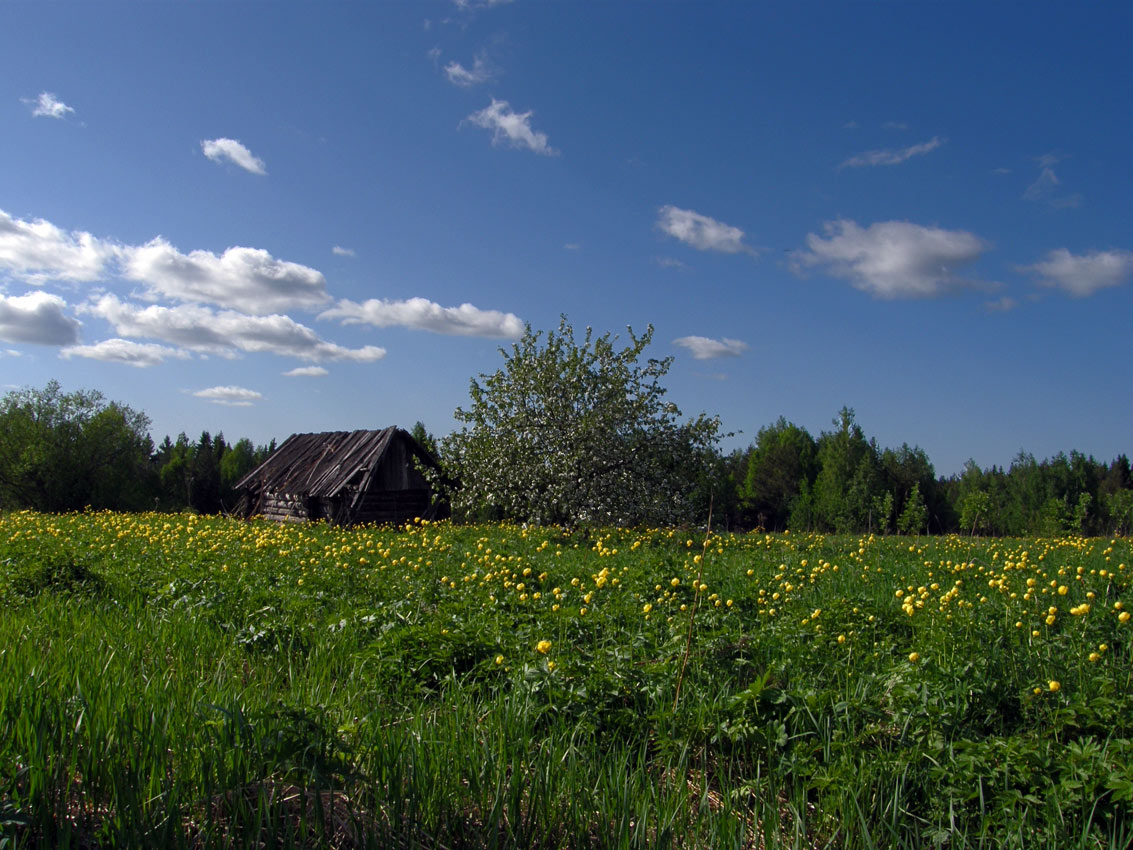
{"x":68,"y":451}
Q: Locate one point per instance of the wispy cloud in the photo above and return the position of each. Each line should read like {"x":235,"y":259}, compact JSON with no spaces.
{"x":422,"y":314}
{"x":1001,"y":305}
{"x":225,"y":333}
{"x":126,"y":352}
{"x":38,"y":318}
{"x":306,"y":372}
{"x":342,"y":252}
{"x":230,"y":150}
{"x":48,"y":105}
{"x":706,"y":348}
{"x":480,"y":72}
{"x":511,"y":128}
{"x":1045,"y":189}
{"x":230,"y":396}
{"x":892,"y":156}
{"x":670,"y":263}
{"x":700,"y":231}
{"x":1082,"y":275}
{"x":893,"y":259}
{"x":36,"y":251}
{"x":246,"y":279}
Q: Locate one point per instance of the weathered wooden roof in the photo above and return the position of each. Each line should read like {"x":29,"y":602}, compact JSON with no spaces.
{"x":322,"y":465}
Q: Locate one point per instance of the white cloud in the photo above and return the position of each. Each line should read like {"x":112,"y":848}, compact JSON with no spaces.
{"x":705,"y":348}
{"x":893,"y":259}
{"x":479,"y":73}
{"x":247,"y":279}
{"x":700,"y":231}
{"x":892,"y":157}
{"x":36,"y":318}
{"x":219,"y":150}
{"x":306,"y":372}
{"x":342,"y":252}
{"x":230,"y":396}
{"x":48,"y":105}
{"x":36,"y":251}
{"x":225,"y":333}
{"x":511,"y":127}
{"x":670,"y":263}
{"x":126,"y":352}
{"x":422,"y":314}
{"x":1083,"y":274}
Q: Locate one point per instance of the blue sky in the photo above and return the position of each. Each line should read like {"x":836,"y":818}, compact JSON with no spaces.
{"x":263,"y":218}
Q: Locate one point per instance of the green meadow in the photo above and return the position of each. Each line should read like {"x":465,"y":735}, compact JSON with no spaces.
{"x":170,"y":680}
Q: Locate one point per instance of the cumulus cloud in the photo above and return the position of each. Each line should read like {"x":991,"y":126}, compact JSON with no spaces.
{"x":700,"y":231}
{"x":892,"y":156}
{"x":230,"y":150}
{"x":230,"y":396}
{"x":512,"y":128}
{"x":425,"y":315}
{"x":225,"y":333}
{"x":306,"y":372}
{"x":36,"y":251}
{"x":893,"y":259}
{"x":247,"y":279}
{"x":126,"y":352}
{"x":342,"y":252}
{"x":705,"y":348}
{"x":36,"y":318}
{"x":466,"y":78}
{"x":48,"y":105}
{"x":1082,"y":274}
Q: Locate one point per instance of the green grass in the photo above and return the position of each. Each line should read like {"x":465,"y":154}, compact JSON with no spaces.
{"x":179,"y":681}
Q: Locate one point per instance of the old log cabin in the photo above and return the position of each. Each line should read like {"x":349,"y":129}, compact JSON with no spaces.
{"x":343,"y":477}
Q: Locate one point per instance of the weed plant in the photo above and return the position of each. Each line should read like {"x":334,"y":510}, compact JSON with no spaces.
{"x":179,"y":681}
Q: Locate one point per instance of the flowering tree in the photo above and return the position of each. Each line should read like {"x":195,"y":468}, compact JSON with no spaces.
{"x":577,"y":433}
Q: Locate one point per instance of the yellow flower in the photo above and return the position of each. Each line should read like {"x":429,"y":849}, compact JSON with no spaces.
{"x":543,"y":647}
{"x":1054,"y":685}
{"x":1094,"y":656}
{"x":841,"y":638}
{"x":499,"y":659}
{"x":914,"y":657}
{"x":1123,"y":617}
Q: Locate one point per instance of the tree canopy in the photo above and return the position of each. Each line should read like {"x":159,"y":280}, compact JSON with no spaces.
{"x":65,"y":451}
{"x":577,"y":432}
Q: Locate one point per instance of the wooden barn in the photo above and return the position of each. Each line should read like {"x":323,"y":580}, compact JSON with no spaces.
{"x":343,"y":477}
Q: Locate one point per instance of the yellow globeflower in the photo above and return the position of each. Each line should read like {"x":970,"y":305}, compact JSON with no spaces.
{"x":914,"y":657}
{"x":1123,"y":617}
{"x":1054,"y":685}
{"x":499,"y":659}
{"x":543,"y":647}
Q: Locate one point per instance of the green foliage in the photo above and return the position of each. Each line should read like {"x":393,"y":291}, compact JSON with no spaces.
{"x":782,"y":462}
{"x":912,"y":519}
{"x":65,"y":451}
{"x":572,"y":432}
{"x":974,"y":509}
